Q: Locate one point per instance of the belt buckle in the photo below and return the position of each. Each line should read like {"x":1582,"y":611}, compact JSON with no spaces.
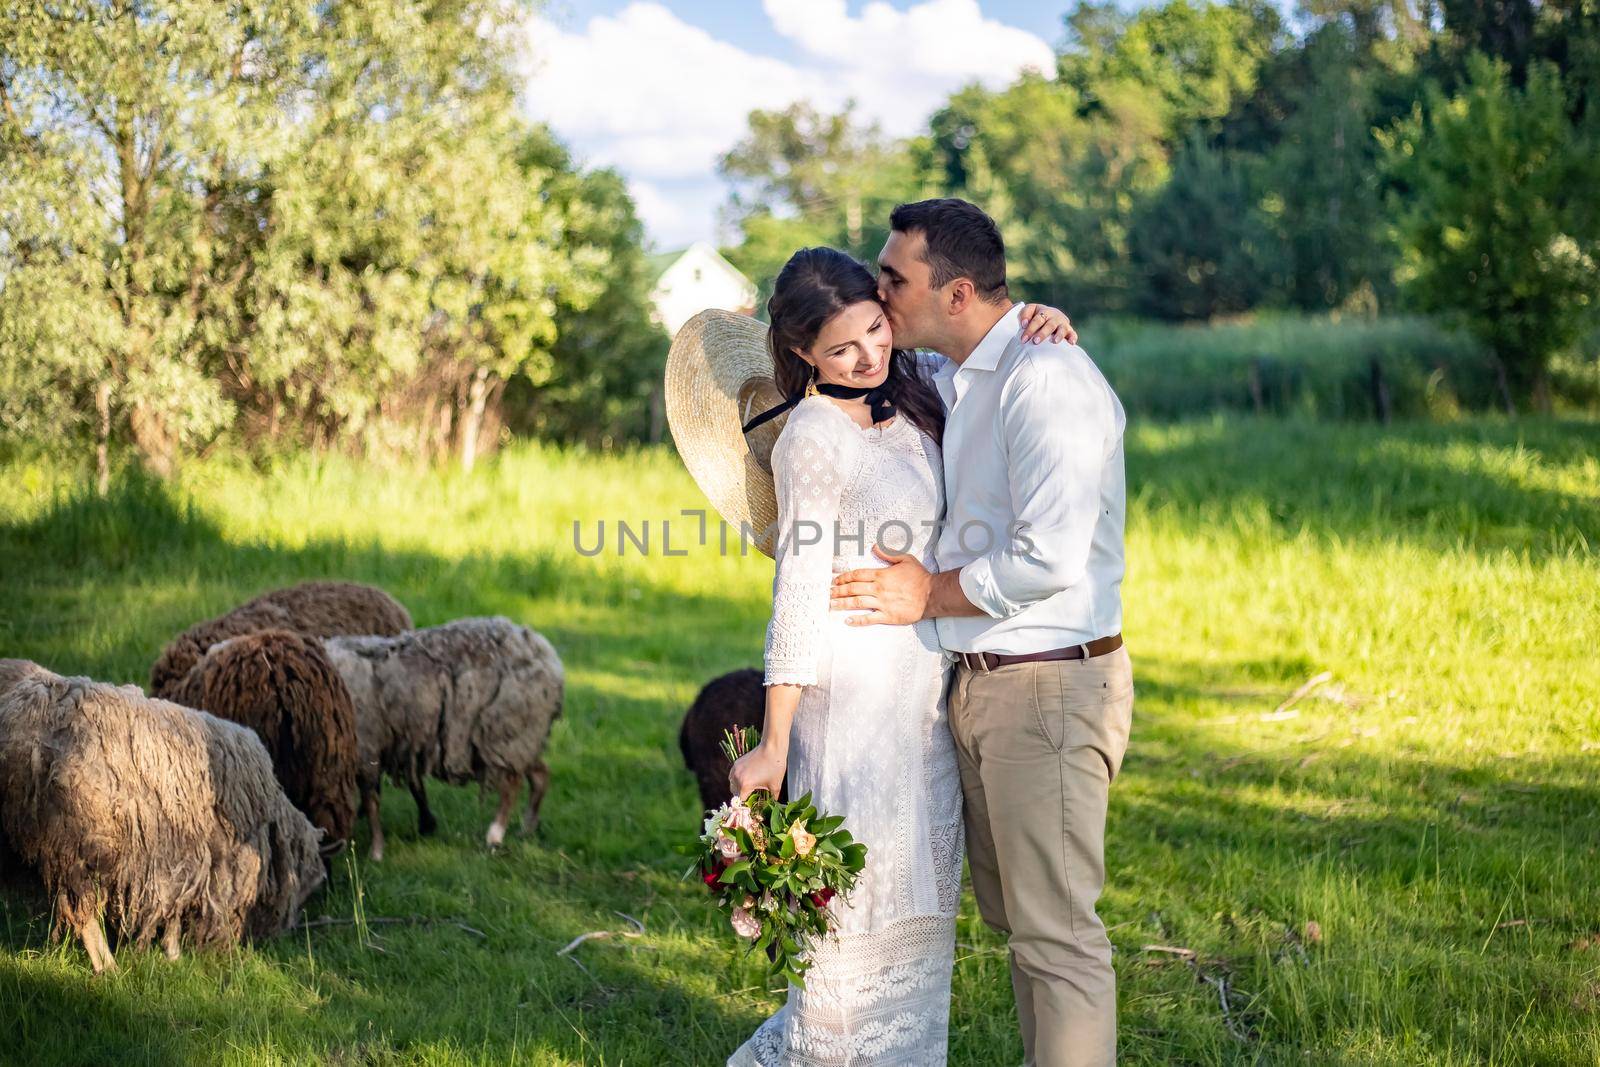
{"x":975,"y":662}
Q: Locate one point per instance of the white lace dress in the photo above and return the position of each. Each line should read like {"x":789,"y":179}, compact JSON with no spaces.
{"x":870,"y":742}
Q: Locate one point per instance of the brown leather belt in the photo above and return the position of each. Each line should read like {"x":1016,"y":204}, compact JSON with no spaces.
{"x":988,"y":661}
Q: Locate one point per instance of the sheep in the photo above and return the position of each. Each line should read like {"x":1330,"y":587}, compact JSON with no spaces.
{"x":163,"y":819}
{"x":472,"y":700}
{"x":317,"y":609}
{"x":281,"y":685}
{"x":728,"y":702}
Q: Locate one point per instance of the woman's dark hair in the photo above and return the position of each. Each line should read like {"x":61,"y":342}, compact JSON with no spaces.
{"x":814,"y":286}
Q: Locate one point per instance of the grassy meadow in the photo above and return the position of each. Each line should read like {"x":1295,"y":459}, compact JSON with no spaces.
{"x":1432,"y":812}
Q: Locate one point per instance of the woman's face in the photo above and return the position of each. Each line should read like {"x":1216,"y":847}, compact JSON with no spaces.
{"x":852,"y":349}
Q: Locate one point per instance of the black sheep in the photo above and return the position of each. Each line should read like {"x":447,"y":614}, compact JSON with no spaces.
{"x":734,"y":700}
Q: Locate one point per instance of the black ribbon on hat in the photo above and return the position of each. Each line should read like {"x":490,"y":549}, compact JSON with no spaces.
{"x":878,"y":398}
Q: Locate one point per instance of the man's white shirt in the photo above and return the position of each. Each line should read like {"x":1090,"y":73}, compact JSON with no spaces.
{"x":1035,"y":495}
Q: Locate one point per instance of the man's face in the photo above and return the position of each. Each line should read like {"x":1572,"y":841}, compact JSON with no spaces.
{"x":915,"y":311}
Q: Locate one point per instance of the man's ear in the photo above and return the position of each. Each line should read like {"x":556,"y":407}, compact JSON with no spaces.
{"x":961,"y":296}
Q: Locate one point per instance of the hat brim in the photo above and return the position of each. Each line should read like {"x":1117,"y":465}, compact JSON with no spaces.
{"x":719,"y":376}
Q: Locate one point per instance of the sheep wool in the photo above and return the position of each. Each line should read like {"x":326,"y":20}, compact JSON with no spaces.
{"x":164,"y":820}
{"x":281,"y":685}
{"x":727,"y":702}
{"x":317,"y":609}
{"x":472,"y":700}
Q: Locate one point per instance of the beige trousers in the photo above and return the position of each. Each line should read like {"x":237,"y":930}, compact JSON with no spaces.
{"x":1039,"y":744}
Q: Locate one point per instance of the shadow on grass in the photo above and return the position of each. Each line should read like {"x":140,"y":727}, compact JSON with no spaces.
{"x":1447,"y":895}
{"x":98,"y":586}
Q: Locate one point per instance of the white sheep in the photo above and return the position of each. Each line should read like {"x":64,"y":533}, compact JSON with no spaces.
{"x":162,"y":819}
{"x":472,"y":700}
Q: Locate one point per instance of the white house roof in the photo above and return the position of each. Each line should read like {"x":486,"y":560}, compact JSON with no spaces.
{"x":697,"y":278}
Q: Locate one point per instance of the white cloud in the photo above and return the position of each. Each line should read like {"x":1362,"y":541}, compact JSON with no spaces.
{"x":900,"y":65}
{"x":649,"y":93}
{"x":660,"y":99}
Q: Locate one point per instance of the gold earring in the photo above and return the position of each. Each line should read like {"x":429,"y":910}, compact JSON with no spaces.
{"x":811,"y":386}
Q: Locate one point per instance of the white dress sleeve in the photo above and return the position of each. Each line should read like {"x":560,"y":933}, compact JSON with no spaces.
{"x":812,"y":464}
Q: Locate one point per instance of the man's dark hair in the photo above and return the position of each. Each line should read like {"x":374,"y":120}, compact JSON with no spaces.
{"x":963,"y":242}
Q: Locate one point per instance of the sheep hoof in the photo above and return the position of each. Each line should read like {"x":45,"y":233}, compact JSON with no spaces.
{"x":497,"y":835}
{"x":376,"y":854}
{"x":427,"y":825}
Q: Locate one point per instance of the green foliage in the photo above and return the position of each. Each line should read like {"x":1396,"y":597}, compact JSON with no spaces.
{"x":800,"y":179}
{"x":1061,"y":183}
{"x":789,"y":865}
{"x":608,"y":356}
{"x":1495,"y":212}
{"x":1321,"y":188}
{"x":1202,"y":244}
{"x":1193,"y":160}
{"x":314,"y":223}
{"x":1197,"y":60}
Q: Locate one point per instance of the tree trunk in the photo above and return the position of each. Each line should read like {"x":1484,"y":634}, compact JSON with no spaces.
{"x":1541,"y":392}
{"x":658,"y":413}
{"x":1258,"y":398}
{"x":102,"y":437}
{"x":1381,"y":404}
{"x":155,"y":442}
{"x":1504,"y":386}
{"x":472,"y":420}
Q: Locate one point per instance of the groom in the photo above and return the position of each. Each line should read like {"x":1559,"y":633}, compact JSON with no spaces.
{"x":1027,"y":596}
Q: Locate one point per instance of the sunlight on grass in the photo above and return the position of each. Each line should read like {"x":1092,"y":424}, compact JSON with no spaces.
{"x":1432,"y":808}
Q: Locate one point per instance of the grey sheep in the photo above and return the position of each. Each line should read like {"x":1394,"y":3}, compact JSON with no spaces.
{"x":316,"y":609}
{"x":161,"y":819}
{"x":281,"y":685}
{"x":472,"y":700}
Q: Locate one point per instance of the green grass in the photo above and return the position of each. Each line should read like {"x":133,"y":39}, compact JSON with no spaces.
{"x":1433,"y":809}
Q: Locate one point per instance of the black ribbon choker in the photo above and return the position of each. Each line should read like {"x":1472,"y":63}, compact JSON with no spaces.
{"x":878,"y":398}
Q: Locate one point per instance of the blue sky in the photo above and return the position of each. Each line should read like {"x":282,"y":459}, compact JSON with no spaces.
{"x":660,"y":88}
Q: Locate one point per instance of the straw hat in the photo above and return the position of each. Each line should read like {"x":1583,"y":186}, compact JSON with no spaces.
{"x":719,"y":376}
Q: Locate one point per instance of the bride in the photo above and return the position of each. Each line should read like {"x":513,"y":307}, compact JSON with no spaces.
{"x":855,"y":715}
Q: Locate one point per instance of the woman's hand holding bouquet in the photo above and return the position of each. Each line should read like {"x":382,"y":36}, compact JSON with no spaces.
{"x":776,"y":868}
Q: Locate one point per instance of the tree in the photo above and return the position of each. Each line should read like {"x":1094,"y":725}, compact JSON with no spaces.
{"x":608,"y":357}
{"x":1493,"y":211}
{"x":1202,"y":245}
{"x":408,"y":267}
{"x":802,"y":178}
{"x":1061,"y":185}
{"x":1197,"y":59}
{"x":125,"y":130}
{"x":1323,"y":182}
{"x":305,"y":221}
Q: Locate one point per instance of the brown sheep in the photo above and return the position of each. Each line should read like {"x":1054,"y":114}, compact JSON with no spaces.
{"x":472,"y":700}
{"x":281,"y":685}
{"x":727,"y":702}
{"x":317,"y":609}
{"x":164,"y":820}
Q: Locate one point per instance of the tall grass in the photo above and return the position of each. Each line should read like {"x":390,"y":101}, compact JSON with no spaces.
{"x":1432,"y":809}
{"x":1310,"y":366}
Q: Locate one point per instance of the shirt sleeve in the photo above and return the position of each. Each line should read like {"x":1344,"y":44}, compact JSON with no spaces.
{"x":1056,"y":425}
{"x":809,"y":475}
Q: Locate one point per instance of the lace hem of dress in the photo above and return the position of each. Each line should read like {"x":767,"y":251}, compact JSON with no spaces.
{"x":881,"y":998}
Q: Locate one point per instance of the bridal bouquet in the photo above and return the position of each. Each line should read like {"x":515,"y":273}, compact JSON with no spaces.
{"x":775,"y":868}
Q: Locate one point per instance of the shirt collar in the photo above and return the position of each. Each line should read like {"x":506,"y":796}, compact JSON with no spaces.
{"x":987,"y":355}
